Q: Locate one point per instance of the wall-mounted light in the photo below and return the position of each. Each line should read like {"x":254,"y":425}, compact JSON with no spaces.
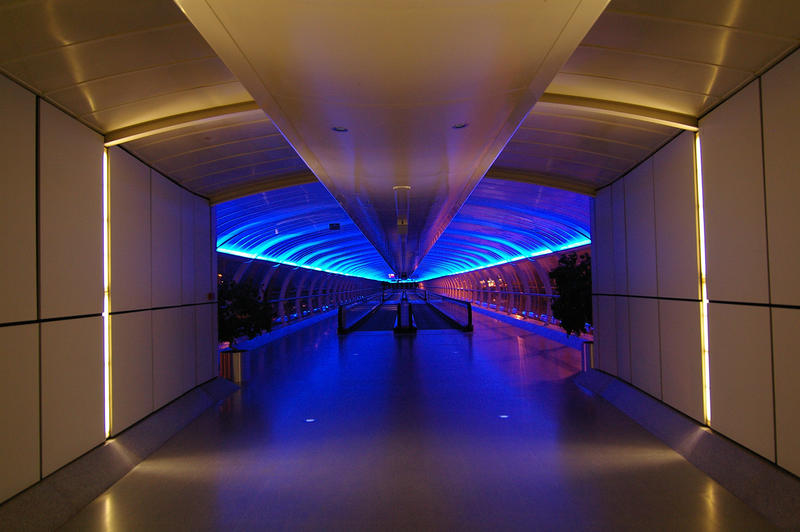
{"x":701,"y":238}
{"x":339,"y":129}
{"x":106,"y":301}
{"x":460,"y":125}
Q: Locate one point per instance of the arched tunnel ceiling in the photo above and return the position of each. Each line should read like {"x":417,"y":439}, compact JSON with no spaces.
{"x":500,"y":222}
{"x":292,"y":226}
{"x":505,"y":221}
{"x":138,"y":72}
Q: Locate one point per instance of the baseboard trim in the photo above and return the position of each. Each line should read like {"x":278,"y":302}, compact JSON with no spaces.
{"x":765,"y":487}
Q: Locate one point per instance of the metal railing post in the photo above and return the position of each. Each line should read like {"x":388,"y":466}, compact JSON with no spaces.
{"x":587,"y":355}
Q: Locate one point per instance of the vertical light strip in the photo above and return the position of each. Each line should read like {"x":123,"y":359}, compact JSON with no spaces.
{"x":701,"y":222}
{"x":106,"y":285}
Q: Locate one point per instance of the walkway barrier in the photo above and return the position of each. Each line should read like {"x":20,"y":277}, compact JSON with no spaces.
{"x":528,"y":305}
{"x":404,"y":323}
{"x":352,"y":314}
{"x":455,"y":310}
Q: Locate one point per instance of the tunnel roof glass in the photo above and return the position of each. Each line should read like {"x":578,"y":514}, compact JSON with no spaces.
{"x":301,"y":226}
{"x":502,"y":221}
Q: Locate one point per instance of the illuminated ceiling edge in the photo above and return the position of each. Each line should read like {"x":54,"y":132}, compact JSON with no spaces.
{"x":625,"y":110}
{"x":540,"y":253}
{"x":252,"y":256}
{"x":179,"y":121}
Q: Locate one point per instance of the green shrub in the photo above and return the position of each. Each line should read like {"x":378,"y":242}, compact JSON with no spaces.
{"x":242,"y":311}
{"x":573,"y":280}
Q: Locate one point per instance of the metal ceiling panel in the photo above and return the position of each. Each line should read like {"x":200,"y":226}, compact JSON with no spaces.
{"x":113,"y":64}
{"x":396,"y":79}
{"x":224,"y":157}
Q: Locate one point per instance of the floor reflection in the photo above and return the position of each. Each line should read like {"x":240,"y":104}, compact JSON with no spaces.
{"x":441,"y":430}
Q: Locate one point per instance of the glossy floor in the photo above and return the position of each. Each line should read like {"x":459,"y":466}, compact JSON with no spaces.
{"x":439,"y":431}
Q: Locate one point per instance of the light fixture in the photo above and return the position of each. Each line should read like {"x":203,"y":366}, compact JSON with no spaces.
{"x":339,"y":129}
{"x":701,"y":234}
{"x":106,"y":298}
{"x":460,"y":125}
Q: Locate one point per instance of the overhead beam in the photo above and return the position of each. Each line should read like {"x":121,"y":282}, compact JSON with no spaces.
{"x":625,"y":110}
{"x":265,"y":185}
{"x":534,"y":178}
{"x":170,"y":123}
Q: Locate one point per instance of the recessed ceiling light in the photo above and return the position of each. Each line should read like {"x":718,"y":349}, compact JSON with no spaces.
{"x":339,"y":129}
{"x":460,"y":125}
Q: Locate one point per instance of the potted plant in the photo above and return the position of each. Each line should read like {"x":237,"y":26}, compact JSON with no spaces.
{"x":243,"y":313}
{"x":573,"y":279}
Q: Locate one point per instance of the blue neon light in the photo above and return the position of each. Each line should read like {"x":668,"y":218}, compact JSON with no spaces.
{"x":292,"y":226}
{"x":503,"y":222}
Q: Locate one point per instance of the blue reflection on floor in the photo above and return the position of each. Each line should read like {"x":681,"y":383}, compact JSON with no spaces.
{"x":409,"y":434}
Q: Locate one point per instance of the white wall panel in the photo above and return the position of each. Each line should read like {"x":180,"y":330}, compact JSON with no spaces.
{"x":623,"y":340}
{"x":741,"y":375}
{"x":681,"y":357}
{"x":603,"y":239}
{"x":785,"y":324}
{"x":780,"y":87}
{"x":71,"y":223}
{"x":640,"y":230}
{"x":619,"y":238}
{"x":645,"y":348}
{"x":73,"y":405}
{"x":187,"y":247}
{"x":606,"y":335}
{"x":167,"y":356}
{"x":166,"y":241}
{"x":17,"y":202}
{"x":676,"y":219}
{"x":19,"y":413}
{"x":132,"y":369}
{"x":202,"y":250}
{"x":736,"y":250}
{"x":205,"y":348}
{"x":188,"y":365}
{"x":130,"y":231}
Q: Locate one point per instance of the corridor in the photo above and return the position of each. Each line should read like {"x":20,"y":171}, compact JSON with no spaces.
{"x":442,"y":430}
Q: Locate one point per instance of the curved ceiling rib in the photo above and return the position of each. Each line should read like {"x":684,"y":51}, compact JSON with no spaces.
{"x":292,"y":226}
{"x":500,"y":222}
{"x":503,"y":222}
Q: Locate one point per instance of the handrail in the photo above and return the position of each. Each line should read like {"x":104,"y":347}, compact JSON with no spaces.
{"x":554,"y":296}
{"x":305,"y":296}
{"x":443,"y":309}
{"x":404,"y":322}
{"x":545,"y":317}
{"x":342,"y":319}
